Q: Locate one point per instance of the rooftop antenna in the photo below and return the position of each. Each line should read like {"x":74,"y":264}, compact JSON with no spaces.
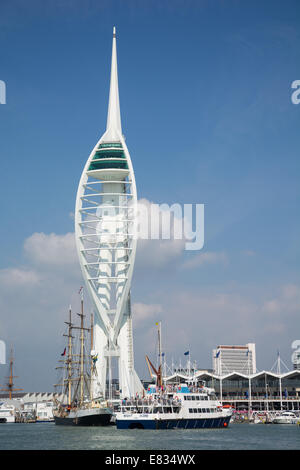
{"x":277,"y":364}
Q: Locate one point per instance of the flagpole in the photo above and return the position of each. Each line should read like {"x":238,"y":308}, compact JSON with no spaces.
{"x":159,"y":355}
{"x":188,"y":365}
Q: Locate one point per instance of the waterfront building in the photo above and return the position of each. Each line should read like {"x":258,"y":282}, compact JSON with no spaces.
{"x":228,"y":359}
{"x":262,"y":391}
{"x":296,"y":360}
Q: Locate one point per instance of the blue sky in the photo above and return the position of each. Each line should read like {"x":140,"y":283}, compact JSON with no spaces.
{"x":205,"y":90}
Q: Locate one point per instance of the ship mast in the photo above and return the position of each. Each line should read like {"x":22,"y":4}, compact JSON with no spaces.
{"x":81,"y":354}
{"x":158,"y":371}
{"x":159,"y":354}
{"x":81,"y":351}
{"x":69,"y":360}
{"x":10,"y":385}
{"x":92,"y":364}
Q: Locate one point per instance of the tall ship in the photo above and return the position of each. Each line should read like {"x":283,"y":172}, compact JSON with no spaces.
{"x":80,"y":407}
{"x":7,"y":407}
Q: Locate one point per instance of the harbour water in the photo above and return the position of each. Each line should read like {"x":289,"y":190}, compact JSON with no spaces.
{"x":48,"y":436}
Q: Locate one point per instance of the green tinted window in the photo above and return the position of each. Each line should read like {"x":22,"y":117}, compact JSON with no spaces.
{"x":100,"y":165}
{"x":110,"y":144}
{"x":112,"y":153}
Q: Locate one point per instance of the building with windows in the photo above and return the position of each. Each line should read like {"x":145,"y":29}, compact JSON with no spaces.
{"x":261,"y":391}
{"x":296,"y":360}
{"x":227,"y":359}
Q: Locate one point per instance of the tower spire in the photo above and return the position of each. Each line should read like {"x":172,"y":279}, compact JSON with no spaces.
{"x":113,"y":126}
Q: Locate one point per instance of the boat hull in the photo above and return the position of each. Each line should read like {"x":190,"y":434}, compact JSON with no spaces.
{"x":84,"y":419}
{"x":173,"y":424}
{"x":7,"y":419}
{"x":286,"y":421}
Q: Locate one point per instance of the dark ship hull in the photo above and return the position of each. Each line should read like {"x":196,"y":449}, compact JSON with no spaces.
{"x":174,"y":423}
{"x":89,"y":417}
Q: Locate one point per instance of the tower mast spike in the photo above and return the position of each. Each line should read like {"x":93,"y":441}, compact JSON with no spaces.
{"x":113,"y":126}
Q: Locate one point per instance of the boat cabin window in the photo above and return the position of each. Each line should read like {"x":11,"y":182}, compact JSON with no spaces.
{"x":195,"y":410}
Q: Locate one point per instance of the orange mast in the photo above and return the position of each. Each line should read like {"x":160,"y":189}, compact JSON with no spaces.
{"x":10,"y":385}
{"x":156,"y":372}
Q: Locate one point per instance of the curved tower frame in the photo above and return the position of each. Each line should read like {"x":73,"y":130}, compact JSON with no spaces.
{"x":105,"y":226}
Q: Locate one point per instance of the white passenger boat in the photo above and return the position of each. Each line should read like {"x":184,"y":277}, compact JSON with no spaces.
{"x":185,"y":408}
{"x":44,"y":412}
{"x":287,"y":417}
{"x":7,"y":413}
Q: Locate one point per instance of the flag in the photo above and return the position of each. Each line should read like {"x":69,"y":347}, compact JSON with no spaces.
{"x":187,"y":353}
{"x":248,"y":352}
{"x":80,"y":290}
{"x":162,"y":354}
{"x":94,"y":358}
{"x":218,"y":354}
{"x":64,"y":353}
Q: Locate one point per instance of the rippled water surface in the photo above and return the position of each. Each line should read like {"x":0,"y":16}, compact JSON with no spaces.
{"x":237,"y":436}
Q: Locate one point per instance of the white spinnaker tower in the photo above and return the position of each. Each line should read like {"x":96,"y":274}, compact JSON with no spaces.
{"x":105,"y":221}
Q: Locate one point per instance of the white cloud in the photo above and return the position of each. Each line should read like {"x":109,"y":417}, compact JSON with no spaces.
{"x":51,"y":250}
{"x":248,"y":253}
{"x":291,"y":291}
{"x":200,"y":318}
{"x":286,"y":302}
{"x":142,"y":312}
{"x":204,"y":258}
{"x":158,"y":253}
{"x":16,"y":277}
{"x":161,"y":219}
{"x":59,"y":250}
{"x":34,"y":300}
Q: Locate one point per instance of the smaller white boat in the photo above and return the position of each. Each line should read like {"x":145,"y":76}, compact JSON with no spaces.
{"x":7,"y":413}
{"x":287,"y":417}
{"x":44,"y":412}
